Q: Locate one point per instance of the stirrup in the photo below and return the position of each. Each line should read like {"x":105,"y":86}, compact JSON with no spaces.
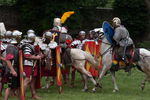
{"x":124,"y":58}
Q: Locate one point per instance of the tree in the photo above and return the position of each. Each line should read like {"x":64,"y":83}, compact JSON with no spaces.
{"x":134,"y":16}
{"x":39,"y":14}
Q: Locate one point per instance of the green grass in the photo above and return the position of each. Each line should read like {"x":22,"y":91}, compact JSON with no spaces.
{"x":129,"y":89}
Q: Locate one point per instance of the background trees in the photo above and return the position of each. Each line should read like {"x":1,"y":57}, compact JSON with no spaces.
{"x":39,"y":14}
{"x":134,"y":15}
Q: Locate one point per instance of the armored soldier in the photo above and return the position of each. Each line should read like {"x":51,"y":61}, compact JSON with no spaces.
{"x":12,"y":55}
{"x":58,"y":27}
{"x":122,"y":38}
{"x":92,"y":36}
{"x":80,"y":41}
{"x":8,"y":36}
{"x":57,"y":24}
{"x":30,"y":63}
{"x":47,"y":60}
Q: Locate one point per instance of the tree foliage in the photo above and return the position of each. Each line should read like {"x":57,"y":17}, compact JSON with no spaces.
{"x":7,"y":2}
{"x":39,"y":14}
{"x":134,"y":16}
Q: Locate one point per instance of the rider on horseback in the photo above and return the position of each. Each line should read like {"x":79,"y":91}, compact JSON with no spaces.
{"x":122,"y":38}
{"x":124,"y":44}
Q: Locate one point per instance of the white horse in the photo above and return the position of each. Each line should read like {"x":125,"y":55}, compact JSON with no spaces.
{"x":106,"y":51}
{"x":79,"y":57}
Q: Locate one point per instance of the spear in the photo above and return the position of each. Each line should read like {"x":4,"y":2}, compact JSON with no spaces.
{"x":22,"y":97}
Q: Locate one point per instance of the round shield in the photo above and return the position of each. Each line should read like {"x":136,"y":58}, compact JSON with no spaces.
{"x":108,"y":32}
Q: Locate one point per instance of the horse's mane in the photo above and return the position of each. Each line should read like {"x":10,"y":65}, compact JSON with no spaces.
{"x":145,"y":52}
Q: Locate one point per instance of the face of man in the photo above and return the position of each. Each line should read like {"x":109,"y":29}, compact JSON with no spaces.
{"x":82,"y":37}
{"x":32,"y":39}
{"x":114,"y":24}
{"x":91,"y":35}
{"x":57,"y":22}
{"x":18,"y":39}
{"x":48,"y":39}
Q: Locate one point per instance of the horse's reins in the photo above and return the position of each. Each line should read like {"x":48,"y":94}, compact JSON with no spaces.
{"x":107,"y":49}
{"x":79,"y":59}
{"x":143,"y":55}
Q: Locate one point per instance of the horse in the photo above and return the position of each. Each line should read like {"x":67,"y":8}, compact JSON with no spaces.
{"x":106,"y":51}
{"x":79,"y":58}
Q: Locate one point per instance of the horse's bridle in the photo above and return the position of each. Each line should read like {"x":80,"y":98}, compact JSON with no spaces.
{"x":102,"y":37}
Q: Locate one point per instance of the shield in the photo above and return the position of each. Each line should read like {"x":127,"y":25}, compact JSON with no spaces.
{"x":108,"y":32}
{"x":90,"y":47}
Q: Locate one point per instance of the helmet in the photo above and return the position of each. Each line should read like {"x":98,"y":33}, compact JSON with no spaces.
{"x":8,"y":33}
{"x":82,"y":33}
{"x":116,"y":21}
{"x":30,"y":31}
{"x":91,"y":32}
{"x":48,"y":34}
{"x":16,"y":37}
{"x":16,"y":33}
{"x":31,"y":37}
{"x":57,"y":22}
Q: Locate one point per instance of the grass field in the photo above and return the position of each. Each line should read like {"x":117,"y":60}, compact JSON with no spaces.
{"x":129,"y":89}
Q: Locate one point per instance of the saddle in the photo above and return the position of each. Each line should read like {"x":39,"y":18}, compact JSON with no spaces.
{"x":131,"y":55}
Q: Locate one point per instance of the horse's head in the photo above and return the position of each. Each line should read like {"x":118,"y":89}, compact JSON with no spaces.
{"x":99,"y":32}
{"x":102,"y":39}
